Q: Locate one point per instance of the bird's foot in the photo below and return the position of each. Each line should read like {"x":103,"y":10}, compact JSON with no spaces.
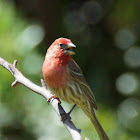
{"x":67,"y":115}
{"x":54,"y":97}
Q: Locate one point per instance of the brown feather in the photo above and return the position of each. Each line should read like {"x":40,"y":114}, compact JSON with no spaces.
{"x":77,"y":75}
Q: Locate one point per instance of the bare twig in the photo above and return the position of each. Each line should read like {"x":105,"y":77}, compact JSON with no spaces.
{"x":43,"y":91}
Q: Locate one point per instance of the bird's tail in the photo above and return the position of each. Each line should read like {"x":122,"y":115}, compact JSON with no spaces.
{"x":97,"y":125}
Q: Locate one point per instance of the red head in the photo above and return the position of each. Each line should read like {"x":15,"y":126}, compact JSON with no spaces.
{"x":61,"y":47}
{"x":62,"y":41}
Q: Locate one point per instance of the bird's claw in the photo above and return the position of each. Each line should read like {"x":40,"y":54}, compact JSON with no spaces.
{"x":65,"y":116}
{"x":54,"y":97}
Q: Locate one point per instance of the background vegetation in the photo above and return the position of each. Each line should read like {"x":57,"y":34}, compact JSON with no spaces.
{"x":106,"y":33}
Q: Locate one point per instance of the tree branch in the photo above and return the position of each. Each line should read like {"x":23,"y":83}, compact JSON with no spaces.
{"x":43,"y":91}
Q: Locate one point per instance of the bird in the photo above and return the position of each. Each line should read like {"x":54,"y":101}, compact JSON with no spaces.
{"x":65,"y":79}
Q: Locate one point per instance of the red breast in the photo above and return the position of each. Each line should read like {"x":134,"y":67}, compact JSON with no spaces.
{"x":55,"y":71}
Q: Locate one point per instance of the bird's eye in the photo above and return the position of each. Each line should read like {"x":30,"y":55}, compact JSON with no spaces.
{"x":61,"y":44}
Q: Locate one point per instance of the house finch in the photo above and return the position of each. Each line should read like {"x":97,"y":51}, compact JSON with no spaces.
{"x":65,"y":78}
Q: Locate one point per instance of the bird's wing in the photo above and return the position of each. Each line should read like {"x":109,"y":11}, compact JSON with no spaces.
{"x":77,"y":75}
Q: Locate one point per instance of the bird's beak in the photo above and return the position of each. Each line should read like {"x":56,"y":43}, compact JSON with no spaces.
{"x":69,"y":49}
{"x":71,"y":45}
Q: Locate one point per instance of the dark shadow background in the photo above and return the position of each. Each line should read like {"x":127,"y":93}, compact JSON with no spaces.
{"x":106,"y":33}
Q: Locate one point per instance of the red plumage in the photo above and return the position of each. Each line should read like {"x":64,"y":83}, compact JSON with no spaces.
{"x":65,"y":78}
{"x":55,"y":65}
{"x":61,"y":40}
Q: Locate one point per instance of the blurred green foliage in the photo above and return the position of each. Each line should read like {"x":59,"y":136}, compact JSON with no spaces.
{"x":106,"y":34}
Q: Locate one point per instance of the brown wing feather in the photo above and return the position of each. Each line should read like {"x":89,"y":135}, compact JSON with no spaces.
{"x":77,"y":75}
